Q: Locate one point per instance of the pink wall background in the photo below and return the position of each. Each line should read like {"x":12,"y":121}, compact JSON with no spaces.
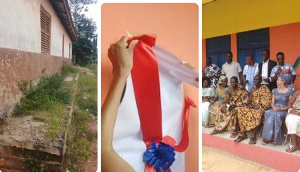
{"x":286,"y":38}
{"x":176,"y":28}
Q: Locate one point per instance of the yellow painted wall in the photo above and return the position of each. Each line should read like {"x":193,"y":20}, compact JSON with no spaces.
{"x":222,"y":17}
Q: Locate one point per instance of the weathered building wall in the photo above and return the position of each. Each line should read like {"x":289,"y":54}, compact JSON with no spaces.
{"x":15,"y":66}
{"x":20,"y":27}
{"x":20,"y":47}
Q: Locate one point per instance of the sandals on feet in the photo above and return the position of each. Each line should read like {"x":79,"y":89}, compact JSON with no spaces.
{"x":240,"y":138}
{"x":265,"y":142}
{"x":292,"y":149}
{"x":252,"y":141}
{"x":233,"y":135}
{"x":214,"y":132}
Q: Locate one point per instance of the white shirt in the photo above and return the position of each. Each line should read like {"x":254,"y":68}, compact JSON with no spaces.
{"x":264,"y":72}
{"x":232,"y":69}
{"x":250,"y":71}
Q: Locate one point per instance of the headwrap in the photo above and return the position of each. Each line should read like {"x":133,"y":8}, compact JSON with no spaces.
{"x":287,"y":79}
{"x":222,"y":78}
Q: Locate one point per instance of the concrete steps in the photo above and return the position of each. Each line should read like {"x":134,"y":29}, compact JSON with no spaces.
{"x":23,"y":146}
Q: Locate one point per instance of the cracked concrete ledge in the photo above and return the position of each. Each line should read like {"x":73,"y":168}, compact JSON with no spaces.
{"x":19,"y":152}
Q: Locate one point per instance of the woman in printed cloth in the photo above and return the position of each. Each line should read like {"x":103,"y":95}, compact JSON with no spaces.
{"x":207,"y":96}
{"x":275,"y":115}
{"x":219,"y":99}
{"x":250,"y":117}
{"x":227,"y":114}
{"x":293,"y":121}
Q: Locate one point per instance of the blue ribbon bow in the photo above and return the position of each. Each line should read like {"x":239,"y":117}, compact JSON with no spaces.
{"x":161,"y":157}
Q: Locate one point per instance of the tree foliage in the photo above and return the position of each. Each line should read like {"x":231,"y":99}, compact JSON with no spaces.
{"x":85,"y":49}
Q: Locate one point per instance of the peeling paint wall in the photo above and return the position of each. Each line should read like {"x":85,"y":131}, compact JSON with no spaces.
{"x":20,"y":27}
{"x":16,"y":66}
{"x":20,"y":47}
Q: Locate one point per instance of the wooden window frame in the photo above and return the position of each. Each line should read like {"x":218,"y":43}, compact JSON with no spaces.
{"x":45,"y":19}
{"x":251,"y":48}
{"x":63,"y":46}
{"x":69,"y":50}
{"x":218,"y":53}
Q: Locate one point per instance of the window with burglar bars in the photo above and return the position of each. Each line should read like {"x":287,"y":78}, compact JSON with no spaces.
{"x":45,"y":31}
{"x":216,"y":49}
{"x":252,"y":43}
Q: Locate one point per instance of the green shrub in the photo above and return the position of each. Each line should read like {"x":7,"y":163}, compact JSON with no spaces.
{"x":40,"y":97}
{"x":67,"y":69}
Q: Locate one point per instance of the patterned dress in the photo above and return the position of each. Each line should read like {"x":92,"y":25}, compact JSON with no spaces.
{"x":250,"y":118}
{"x":273,"y":119}
{"x":213,"y":72}
{"x":210,"y":92}
{"x":221,"y":94}
{"x":226,"y":120}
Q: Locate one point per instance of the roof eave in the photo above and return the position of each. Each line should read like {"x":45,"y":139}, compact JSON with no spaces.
{"x":63,"y":11}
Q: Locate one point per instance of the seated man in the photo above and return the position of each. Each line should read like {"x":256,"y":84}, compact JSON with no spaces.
{"x":226,"y":119}
{"x":250,"y":117}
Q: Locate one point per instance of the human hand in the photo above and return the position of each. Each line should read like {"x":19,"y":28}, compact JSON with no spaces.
{"x":256,"y":107}
{"x":278,"y":70}
{"x":266,"y":80}
{"x":121,"y":56}
{"x":294,"y":112}
{"x":231,"y":107}
{"x":205,"y":98}
{"x":250,"y":106}
{"x":276,"y":109}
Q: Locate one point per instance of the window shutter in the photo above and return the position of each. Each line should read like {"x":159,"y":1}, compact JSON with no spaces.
{"x":45,"y":31}
{"x":216,"y":49}
{"x":252,"y":42}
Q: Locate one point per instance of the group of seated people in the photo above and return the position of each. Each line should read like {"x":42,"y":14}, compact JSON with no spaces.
{"x":233,"y":108}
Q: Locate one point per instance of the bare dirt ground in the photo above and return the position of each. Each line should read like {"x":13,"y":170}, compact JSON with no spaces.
{"x":86,"y":71}
{"x":91,"y":164}
{"x":215,"y":160}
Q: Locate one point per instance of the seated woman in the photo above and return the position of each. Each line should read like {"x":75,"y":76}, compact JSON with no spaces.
{"x":275,"y":115}
{"x":219,"y":99}
{"x":207,"y":96}
{"x":293,"y":120}
{"x":226,"y":115}
{"x":250,"y":117}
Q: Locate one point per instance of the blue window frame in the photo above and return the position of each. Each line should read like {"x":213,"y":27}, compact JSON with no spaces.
{"x":216,"y":49}
{"x":252,"y":42}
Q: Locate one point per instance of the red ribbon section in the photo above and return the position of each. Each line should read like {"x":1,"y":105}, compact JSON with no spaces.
{"x":185,"y":126}
{"x":145,"y":78}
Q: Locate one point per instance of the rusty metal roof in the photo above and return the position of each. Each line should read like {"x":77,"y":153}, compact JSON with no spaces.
{"x":63,"y":11}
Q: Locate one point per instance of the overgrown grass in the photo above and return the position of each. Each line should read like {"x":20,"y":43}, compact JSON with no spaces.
{"x":93,"y":68}
{"x":86,"y":98}
{"x":68,"y":69}
{"x":80,"y":136}
{"x":47,"y":100}
{"x":49,"y":90}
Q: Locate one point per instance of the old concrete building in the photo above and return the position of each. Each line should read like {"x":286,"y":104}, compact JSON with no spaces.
{"x":35,"y":36}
